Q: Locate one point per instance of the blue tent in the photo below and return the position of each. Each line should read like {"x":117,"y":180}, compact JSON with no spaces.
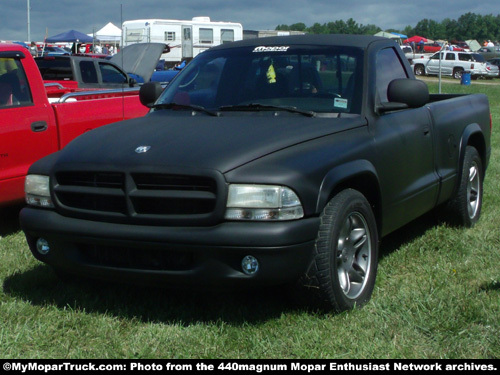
{"x":70,"y":36}
{"x":402,"y":36}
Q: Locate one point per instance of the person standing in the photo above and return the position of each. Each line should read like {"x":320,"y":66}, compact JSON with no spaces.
{"x":33,"y":49}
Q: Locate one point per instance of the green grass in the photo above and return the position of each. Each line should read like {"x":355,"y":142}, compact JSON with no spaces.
{"x":437,"y":296}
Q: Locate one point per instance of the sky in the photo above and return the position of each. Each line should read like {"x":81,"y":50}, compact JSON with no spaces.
{"x":57,"y":16}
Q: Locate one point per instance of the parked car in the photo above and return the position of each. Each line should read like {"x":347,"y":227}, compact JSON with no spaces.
{"x":409,"y":53}
{"x":496,"y":62}
{"x":54,"y":51}
{"x":136,"y":65}
{"x":36,"y":120}
{"x":82,"y":72}
{"x":432,"y":47}
{"x":463,"y":46}
{"x":489,"y":52}
{"x":453,"y":63}
{"x":267,"y":161}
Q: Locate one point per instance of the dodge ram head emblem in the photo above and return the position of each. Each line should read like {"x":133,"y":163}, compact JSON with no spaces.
{"x":142,"y":149}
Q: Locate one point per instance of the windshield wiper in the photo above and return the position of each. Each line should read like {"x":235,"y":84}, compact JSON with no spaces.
{"x":259,"y":106}
{"x":194,"y":107}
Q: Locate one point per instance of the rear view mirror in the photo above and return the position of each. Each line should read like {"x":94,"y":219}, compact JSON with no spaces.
{"x":149,"y":92}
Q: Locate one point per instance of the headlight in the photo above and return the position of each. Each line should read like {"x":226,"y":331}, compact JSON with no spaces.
{"x":37,"y":190}
{"x":262,"y":203}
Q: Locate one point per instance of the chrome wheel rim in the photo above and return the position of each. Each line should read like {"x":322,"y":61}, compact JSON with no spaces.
{"x":354,"y":255}
{"x":473,"y":191}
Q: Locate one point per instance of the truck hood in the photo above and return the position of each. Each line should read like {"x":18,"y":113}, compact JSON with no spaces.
{"x":181,"y":139}
{"x":140,"y":59}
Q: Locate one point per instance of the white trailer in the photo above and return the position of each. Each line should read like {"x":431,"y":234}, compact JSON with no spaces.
{"x":186,"y":39}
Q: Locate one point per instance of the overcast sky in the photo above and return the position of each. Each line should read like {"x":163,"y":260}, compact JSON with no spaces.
{"x":58,"y":16}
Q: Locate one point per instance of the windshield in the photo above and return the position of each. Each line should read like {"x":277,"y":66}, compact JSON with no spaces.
{"x":322,"y":80}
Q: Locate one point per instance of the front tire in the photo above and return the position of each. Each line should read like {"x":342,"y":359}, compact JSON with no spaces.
{"x":342,"y":274}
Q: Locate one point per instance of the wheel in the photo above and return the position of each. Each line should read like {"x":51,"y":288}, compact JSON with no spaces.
{"x":457,"y":73}
{"x":419,"y":70}
{"x":342,"y":274}
{"x":465,"y":207}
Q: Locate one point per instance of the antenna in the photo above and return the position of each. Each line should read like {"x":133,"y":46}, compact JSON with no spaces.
{"x":121,"y":46}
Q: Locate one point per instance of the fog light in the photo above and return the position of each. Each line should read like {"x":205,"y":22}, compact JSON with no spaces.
{"x":42,"y":246}
{"x":249,"y":265}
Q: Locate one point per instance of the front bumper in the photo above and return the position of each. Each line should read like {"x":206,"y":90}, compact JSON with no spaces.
{"x":173,"y":256}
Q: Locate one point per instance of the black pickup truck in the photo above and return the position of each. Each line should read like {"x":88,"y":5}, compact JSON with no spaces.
{"x":264,"y":162}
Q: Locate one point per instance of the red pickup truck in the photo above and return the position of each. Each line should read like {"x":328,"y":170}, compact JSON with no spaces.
{"x":36,"y":120}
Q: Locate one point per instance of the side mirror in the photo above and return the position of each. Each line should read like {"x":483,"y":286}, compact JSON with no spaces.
{"x":404,"y":93}
{"x":149,"y":92}
{"x":412,"y":92}
{"x":132,"y":82}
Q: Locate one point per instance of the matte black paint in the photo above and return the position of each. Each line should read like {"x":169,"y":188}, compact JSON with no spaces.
{"x":404,"y":161}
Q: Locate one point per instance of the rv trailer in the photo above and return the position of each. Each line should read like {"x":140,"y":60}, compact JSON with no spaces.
{"x":186,"y":39}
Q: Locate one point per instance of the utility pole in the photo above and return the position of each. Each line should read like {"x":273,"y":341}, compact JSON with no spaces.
{"x":29,"y":31}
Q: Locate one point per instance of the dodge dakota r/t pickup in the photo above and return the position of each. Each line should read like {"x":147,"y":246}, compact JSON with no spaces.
{"x":268,"y":161}
{"x":36,"y":120}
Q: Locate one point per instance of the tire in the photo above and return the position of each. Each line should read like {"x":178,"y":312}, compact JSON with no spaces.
{"x":342,"y":274}
{"x":465,"y":207}
{"x":419,"y":70}
{"x":457,"y":73}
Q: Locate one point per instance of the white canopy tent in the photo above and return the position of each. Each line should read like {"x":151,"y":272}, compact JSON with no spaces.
{"x":109,"y":33}
{"x":386,"y":34}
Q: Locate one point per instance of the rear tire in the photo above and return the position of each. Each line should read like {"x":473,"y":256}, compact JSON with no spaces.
{"x":465,"y":207}
{"x":457,"y":73}
{"x":419,"y":70}
{"x":342,"y":274}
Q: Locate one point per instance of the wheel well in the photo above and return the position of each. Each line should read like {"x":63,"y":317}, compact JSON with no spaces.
{"x":476,"y":140}
{"x":366,"y":184}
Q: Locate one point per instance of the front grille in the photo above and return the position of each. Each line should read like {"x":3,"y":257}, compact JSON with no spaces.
{"x":139,"y":198}
{"x":134,"y":258}
{"x":173,"y":182}
{"x":93,"y":179}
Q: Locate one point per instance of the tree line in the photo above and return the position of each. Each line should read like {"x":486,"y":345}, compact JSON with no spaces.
{"x":466,"y":27}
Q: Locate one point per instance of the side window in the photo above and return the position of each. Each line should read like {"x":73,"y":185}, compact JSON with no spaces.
{"x":169,"y":36}
{"x":464,"y":57}
{"x":206,"y":36}
{"x":14,"y":87}
{"x":388,"y":68}
{"x":55,"y":69}
{"x":110,"y":74}
{"x":226,"y":35}
{"x":89,"y":74}
{"x":187,"y":33}
{"x":450,"y":56}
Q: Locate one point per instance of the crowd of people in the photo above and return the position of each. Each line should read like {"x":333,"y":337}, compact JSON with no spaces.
{"x":77,"y":48}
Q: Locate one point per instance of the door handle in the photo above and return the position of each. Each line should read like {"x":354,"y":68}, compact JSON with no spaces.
{"x":427,"y":130}
{"x":39,"y":126}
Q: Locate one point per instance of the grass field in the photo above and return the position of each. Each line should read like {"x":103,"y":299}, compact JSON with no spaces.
{"x":437,"y":296}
